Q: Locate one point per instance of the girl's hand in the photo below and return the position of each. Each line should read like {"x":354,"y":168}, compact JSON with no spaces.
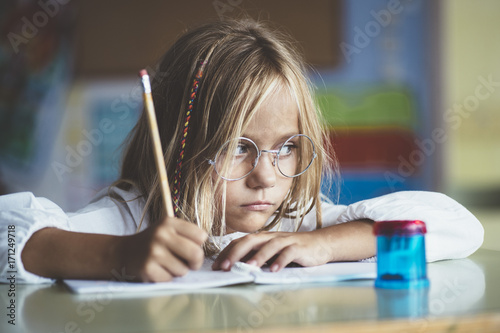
{"x":342,"y":242}
{"x":282,"y":248}
{"x":163,"y":251}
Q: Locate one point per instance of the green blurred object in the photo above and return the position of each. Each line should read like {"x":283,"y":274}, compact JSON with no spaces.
{"x":381,"y":107}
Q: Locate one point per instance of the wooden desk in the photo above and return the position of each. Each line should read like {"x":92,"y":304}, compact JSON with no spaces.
{"x":464,"y":297}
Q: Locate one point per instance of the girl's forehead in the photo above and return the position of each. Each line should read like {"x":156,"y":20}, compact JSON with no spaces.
{"x":277,"y":117}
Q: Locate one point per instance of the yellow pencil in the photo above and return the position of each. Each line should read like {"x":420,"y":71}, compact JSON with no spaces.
{"x":158,"y":152}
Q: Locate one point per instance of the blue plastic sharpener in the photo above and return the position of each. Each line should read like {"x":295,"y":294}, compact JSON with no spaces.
{"x":401,"y":262}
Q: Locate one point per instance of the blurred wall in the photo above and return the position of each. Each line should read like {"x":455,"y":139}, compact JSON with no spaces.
{"x":471,"y":103}
{"x":141,"y":31}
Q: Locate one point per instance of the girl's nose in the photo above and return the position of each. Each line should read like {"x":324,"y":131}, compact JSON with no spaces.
{"x":264,"y":174}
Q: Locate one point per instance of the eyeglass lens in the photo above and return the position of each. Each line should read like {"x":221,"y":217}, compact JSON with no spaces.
{"x":238,"y":157}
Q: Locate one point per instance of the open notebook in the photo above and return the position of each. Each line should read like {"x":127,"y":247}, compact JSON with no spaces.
{"x":240,"y":273}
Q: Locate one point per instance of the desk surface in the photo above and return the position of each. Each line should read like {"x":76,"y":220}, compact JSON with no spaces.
{"x":464,"y":296}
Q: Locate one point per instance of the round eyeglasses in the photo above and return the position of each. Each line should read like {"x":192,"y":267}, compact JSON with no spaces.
{"x":238,"y":157}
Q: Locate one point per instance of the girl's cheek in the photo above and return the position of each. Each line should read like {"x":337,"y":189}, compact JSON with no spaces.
{"x":289,"y":187}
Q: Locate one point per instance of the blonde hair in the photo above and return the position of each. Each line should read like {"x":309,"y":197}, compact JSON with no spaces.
{"x":247,"y":62}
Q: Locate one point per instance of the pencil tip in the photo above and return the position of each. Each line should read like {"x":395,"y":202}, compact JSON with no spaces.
{"x":143,"y":72}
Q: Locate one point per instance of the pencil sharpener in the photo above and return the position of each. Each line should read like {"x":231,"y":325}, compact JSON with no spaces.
{"x":401,"y":262}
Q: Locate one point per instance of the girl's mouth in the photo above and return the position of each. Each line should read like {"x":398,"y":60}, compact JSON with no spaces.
{"x":258,"y":206}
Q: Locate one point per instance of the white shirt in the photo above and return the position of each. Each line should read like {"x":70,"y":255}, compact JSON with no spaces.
{"x":452,"y":231}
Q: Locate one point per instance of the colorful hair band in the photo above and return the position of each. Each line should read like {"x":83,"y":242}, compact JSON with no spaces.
{"x":180,"y":158}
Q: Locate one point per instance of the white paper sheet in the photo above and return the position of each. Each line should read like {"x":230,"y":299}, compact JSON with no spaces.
{"x":206,"y":278}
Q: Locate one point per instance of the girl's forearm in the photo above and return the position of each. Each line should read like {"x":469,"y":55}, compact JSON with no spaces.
{"x":60,"y":254}
{"x":349,"y":241}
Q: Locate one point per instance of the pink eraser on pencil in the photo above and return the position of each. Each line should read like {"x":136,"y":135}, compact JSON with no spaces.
{"x":143,"y":72}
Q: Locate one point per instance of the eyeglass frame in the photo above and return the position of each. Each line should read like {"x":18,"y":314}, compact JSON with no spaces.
{"x":259,"y":153}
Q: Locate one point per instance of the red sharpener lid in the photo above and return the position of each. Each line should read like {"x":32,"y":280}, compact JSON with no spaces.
{"x":406,"y":227}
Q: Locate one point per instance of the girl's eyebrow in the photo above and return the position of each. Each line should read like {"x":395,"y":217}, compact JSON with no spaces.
{"x":284,"y":137}
{"x":281,"y":139}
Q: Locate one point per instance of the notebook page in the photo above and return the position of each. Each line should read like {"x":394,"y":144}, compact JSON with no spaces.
{"x":203,"y":278}
{"x":331,"y":272}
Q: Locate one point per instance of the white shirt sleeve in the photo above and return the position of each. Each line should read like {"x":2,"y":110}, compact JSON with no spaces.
{"x":452,"y":231}
{"x":23,"y":214}
{"x":112,"y":213}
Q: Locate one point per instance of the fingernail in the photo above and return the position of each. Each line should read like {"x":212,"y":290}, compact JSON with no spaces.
{"x":274,"y":268}
{"x":225,"y":264}
{"x":252,"y":262}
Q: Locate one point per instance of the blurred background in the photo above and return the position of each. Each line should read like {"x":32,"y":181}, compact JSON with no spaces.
{"x":409,"y":89}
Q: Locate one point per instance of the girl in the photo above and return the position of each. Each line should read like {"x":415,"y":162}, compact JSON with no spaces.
{"x":244,"y":152}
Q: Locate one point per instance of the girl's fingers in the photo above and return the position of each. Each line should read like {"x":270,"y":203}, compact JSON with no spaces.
{"x":163,"y":265}
{"x":235,"y":251}
{"x":183,"y":240}
{"x":153,"y":272}
{"x":190,"y":231}
{"x":286,"y":256}
{"x":250,"y":245}
{"x":186,"y":250}
{"x":278,"y":248}
{"x":222,"y":261}
{"x":166,"y":250}
{"x":172,"y":264}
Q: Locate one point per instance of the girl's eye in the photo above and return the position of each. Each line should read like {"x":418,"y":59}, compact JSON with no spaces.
{"x":241,"y":149}
{"x":287,"y":149}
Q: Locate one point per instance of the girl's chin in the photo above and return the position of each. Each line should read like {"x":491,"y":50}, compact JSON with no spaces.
{"x":245,"y":229}
{"x":247,"y":223}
